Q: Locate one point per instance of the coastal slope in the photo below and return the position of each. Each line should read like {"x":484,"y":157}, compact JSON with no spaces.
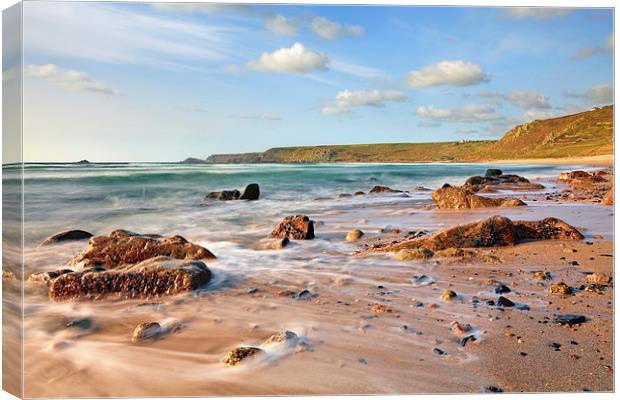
{"x":584,"y":134}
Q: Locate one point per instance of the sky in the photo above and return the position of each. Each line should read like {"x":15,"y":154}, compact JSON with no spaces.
{"x":165,"y":81}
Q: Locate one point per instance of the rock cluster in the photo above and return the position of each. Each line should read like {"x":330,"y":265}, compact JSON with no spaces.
{"x":251,"y":192}
{"x":492,"y":183}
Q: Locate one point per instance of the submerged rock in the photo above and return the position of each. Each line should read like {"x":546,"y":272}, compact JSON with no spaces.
{"x":493,"y":172}
{"x":224,"y":195}
{"x":452,"y":197}
{"x":294,"y":227}
{"x":123,"y":248}
{"x":384,"y":189}
{"x":146,"y":331}
{"x":277,"y":244}
{"x":75,"y":234}
{"x":285,"y":336}
{"x":354,"y":235}
{"x":239,"y":354}
{"x":151,"y":278}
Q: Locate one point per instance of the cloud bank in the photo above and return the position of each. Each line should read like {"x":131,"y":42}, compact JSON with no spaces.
{"x":346,"y":100}
{"x":451,"y":73}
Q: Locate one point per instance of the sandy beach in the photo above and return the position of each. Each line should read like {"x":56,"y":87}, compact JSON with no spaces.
{"x":364,"y":322}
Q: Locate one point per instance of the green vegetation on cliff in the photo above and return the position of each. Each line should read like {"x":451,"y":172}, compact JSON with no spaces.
{"x":588,"y":133}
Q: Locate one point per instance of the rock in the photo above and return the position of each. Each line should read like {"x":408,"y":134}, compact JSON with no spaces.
{"x":82,"y":323}
{"x":344,"y":195}
{"x":504,"y":302}
{"x":439,"y":351}
{"x":570,"y":319}
{"x":239,"y":354}
{"x":277,"y":244}
{"x":282,"y":337}
{"x":82,"y":162}
{"x":490,"y":232}
{"x":123,"y":248}
{"x":8,"y":276}
{"x":192,"y":160}
{"x":560,"y":288}
{"x":608,"y":200}
{"x":391,"y":229}
{"x":460,"y":329}
{"x":504,"y":182}
{"x":146,"y":331}
{"x":419,"y":253}
{"x":458,"y":198}
{"x":65,"y":236}
{"x":501,"y":288}
{"x":450,"y":252}
{"x":598,"y":278}
{"x":360,"y":193}
{"x":151,"y":278}
{"x":541,"y":276}
{"x":354,"y":235}
{"x":384,"y":189}
{"x":224,"y":195}
{"x":48,"y":276}
{"x":493,"y":389}
{"x":251,"y":192}
{"x":304,"y":295}
{"x":568,"y":250}
{"x":463,"y":341}
{"x":420,"y":189}
{"x":379,"y":309}
{"x":493,"y":172}
{"x":448,"y":295}
{"x":294,"y":227}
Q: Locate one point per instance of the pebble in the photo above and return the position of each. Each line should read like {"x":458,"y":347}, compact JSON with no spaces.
{"x":448,"y":295}
{"x":504,"y":302}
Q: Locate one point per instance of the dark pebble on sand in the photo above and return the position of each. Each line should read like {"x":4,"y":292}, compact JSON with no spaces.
{"x":555,"y":346}
{"x":570,"y":319}
{"x":522,"y":353}
{"x":252,"y":290}
{"x":84,"y":323}
{"x":463,"y":341}
{"x":502,"y":289}
{"x":362,"y":361}
{"x":438,"y":351}
{"x":493,"y":389}
{"x":504,"y":302}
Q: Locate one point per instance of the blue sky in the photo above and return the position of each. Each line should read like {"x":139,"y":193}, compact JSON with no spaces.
{"x":161,"y":82}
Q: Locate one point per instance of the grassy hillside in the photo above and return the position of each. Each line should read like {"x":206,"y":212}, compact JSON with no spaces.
{"x":585,"y":134}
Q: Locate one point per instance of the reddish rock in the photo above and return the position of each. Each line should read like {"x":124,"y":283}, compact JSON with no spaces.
{"x":457,"y":197}
{"x":48,"y":276}
{"x":490,"y":232}
{"x":239,"y":354}
{"x":294,"y":227}
{"x":151,"y":278}
{"x":124,"y":248}
{"x":503,"y":182}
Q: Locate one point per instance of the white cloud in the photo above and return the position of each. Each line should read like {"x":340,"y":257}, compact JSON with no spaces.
{"x":454,"y":73}
{"x":528,"y":99}
{"x":281,"y":25}
{"x":69,"y":79}
{"x":607,"y":48}
{"x":602,"y":94}
{"x":329,"y":30}
{"x":296,"y":59}
{"x":345,"y":100}
{"x":541,"y":13}
{"x":111,"y":34}
{"x":469,"y":113}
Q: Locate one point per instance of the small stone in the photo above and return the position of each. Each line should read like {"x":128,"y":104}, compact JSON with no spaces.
{"x":500,"y":289}
{"x":282,"y":337}
{"x":239,"y":354}
{"x":460,"y":329}
{"x":568,"y":250}
{"x":438,"y":351}
{"x":493,"y":389}
{"x":419,"y":253}
{"x":277,"y":244}
{"x":448,"y":295}
{"x":573,"y":262}
{"x":504,"y":302}
{"x":570,"y":319}
{"x":560,"y":288}
{"x":379,"y":309}
{"x":598,"y":278}
{"x":554,"y":345}
{"x":83,"y":323}
{"x":146,"y":331}
{"x":541,"y":276}
{"x":354,"y":235}
{"x":463,"y":341}
{"x":305,"y":295}
{"x":362,"y":361}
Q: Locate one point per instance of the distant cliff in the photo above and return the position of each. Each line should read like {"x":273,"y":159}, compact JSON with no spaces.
{"x":588,"y":133}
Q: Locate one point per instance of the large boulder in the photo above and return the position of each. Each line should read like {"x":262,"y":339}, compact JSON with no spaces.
{"x":251,"y":192}
{"x":151,"y":278}
{"x":456,"y":197}
{"x":294,"y":227}
{"x":124,"y":248}
{"x":490,"y":232}
{"x":74,"y":234}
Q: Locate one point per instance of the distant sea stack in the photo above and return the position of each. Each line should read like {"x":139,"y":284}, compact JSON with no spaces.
{"x":192,"y":160}
{"x":83,"y":162}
